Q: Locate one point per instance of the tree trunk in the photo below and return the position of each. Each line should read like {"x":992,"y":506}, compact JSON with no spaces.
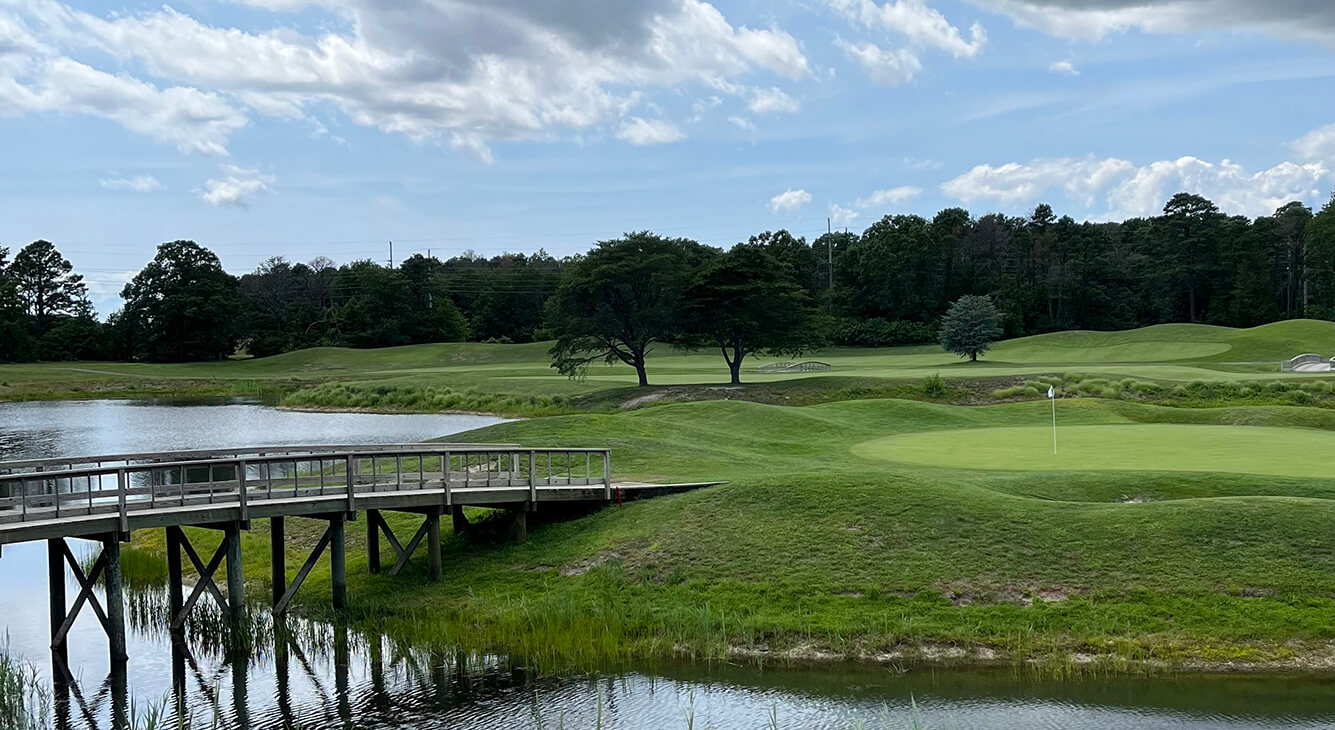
{"x":735,"y":368}
{"x":973,"y":357}
{"x":644,"y":376}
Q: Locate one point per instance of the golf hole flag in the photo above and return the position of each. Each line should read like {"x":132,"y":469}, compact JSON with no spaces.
{"x":1052,"y":396}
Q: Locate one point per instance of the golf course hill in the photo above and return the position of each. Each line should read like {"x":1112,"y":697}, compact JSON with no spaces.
{"x":890,"y":531}
{"x":517,"y":379}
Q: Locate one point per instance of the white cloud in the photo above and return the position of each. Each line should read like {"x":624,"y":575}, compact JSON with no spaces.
{"x":237,"y":187}
{"x":773,"y":100}
{"x":1095,"y":19}
{"x":466,"y":73}
{"x":922,"y":25}
{"x":885,"y":67}
{"x":1130,"y":191}
{"x":743,"y":123}
{"x":138,"y":183}
{"x":1318,"y":144}
{"x":789,"y":201}
{"x":187,"y":118}
{"x":1066,"y":68}
{"x":842,"y":217}
{"x":891,"y":196}
{"x":642,"y":132}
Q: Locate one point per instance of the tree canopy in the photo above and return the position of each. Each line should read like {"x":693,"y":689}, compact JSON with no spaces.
{"x":747,"y":301}
{"x":970,"y":326}
{"x":183,"y":306}
{"x":617,"y":302}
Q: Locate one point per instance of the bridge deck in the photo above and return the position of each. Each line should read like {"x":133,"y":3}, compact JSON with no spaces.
{"x":118,"y":494}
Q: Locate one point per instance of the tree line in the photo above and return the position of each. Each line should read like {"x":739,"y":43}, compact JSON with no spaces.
{"x":775,"y":293}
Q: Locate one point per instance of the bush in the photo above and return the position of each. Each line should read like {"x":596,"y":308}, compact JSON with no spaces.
{"x":935,"y":386}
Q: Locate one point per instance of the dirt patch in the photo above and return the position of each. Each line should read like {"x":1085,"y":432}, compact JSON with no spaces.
{"x":644,"y":400}
{"x":1124,"y":499}
{"x":584,"y":566}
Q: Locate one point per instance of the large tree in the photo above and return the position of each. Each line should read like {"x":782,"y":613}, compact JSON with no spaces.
{"x":620,"y":300}
{"x":970,"y":326}
{"x":15,"y":342}
{"x":1189,"y":223}
{"x":183,"y":306}
{"x":746,"y":301}
{"x":47,"y":283}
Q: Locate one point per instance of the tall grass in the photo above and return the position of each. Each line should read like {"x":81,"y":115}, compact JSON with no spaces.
{"x":25,"y":702}
{"x":422,"y":399}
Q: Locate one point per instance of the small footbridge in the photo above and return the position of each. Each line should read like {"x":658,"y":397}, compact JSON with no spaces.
{"x":107,"y":498}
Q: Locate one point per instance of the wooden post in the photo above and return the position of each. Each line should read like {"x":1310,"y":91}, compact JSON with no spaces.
{"x":236,"y":578}
{"x":175,"y":578}
{"x":55,"y":570}
{"x":338,"y":567}
{"x":115,"y":593}
{"x":433,"y":543}
{"x":521,"y":524}
{"x":373,"y":540}
{"x":277,"y":558}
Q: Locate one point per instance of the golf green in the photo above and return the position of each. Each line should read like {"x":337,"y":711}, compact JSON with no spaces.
{"x":1133,"y":447}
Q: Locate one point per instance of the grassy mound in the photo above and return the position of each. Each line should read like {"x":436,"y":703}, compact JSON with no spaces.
{"x":1167,"y":353}
{"x":812,"y":546}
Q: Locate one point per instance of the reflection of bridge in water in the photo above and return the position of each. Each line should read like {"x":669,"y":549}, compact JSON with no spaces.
{"x":107,"y":498}
{"x":340,"y":680}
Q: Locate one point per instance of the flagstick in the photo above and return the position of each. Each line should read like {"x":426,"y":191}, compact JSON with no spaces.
{"x":1054,"y":423}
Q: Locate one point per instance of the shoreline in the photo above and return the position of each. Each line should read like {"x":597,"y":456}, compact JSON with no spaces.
{"x":394,"y":412}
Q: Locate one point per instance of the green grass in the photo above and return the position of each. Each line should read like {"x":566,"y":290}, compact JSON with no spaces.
{"x":1165,"y":353}
{"x":818,"y":545}
{"x":1155,"y":447}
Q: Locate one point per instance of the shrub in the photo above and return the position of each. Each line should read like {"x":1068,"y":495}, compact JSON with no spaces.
{"x":935,"y":386}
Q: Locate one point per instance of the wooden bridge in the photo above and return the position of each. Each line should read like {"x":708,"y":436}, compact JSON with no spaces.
{"x":107,"y":498}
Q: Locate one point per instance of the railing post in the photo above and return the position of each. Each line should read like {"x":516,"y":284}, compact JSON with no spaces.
{"x":352,"y":485}
{"x":120,"y":501}
{"x":445,"y":475}
{"x":241,"y":490}
{"x":532,"y":478}
{"x":607,"y":474}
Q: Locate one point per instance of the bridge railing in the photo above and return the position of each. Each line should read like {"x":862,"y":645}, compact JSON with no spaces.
{"x":45,"y":493}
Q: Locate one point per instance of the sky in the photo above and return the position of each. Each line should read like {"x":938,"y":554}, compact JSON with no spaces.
{"x":304,"y":128}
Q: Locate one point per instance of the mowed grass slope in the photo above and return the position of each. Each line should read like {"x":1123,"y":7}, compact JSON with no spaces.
{"x":1166,"y":352}
{"x":813,"y":546}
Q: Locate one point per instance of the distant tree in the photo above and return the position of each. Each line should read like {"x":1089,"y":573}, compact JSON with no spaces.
{"x":618,"y":301}
{"x":970,"y":326}
{"x":1291,"y":224}
{"x":1321,"y":261}
{"x":15,"y":341}
{"x":183,"y":306}
{"x":1189,"y":246}
{"x":78,"y":336}
{"x":747,"y":301}
{"x":47,"y":283}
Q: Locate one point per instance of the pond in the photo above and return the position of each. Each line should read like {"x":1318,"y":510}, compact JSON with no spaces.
{"x":310,"y":675}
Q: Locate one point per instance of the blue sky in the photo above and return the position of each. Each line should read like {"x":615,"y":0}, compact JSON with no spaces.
{"x":330,"y":127}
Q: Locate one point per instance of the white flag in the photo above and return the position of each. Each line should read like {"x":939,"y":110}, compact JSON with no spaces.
{"x":1051,"y":393}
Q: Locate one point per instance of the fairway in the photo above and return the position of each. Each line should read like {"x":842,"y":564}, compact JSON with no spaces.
{"x":1132,"y":447}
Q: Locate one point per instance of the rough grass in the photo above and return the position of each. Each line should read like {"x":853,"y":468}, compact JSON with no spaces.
{"x":1165,"y":353}
{"x":813,"y":547}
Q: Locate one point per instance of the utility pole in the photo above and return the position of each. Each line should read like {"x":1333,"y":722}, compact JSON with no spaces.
{"x":391,"y":254}
{"x":829,"y":251}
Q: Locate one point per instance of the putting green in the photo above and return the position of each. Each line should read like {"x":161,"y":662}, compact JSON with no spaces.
{"x":1134,"y":447}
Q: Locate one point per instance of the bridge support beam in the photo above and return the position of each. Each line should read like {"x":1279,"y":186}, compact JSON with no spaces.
{"x":229,"y":549}
{"x":428,"y":532}
{"x":332,"y":539}
{"x":107,"y":569}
